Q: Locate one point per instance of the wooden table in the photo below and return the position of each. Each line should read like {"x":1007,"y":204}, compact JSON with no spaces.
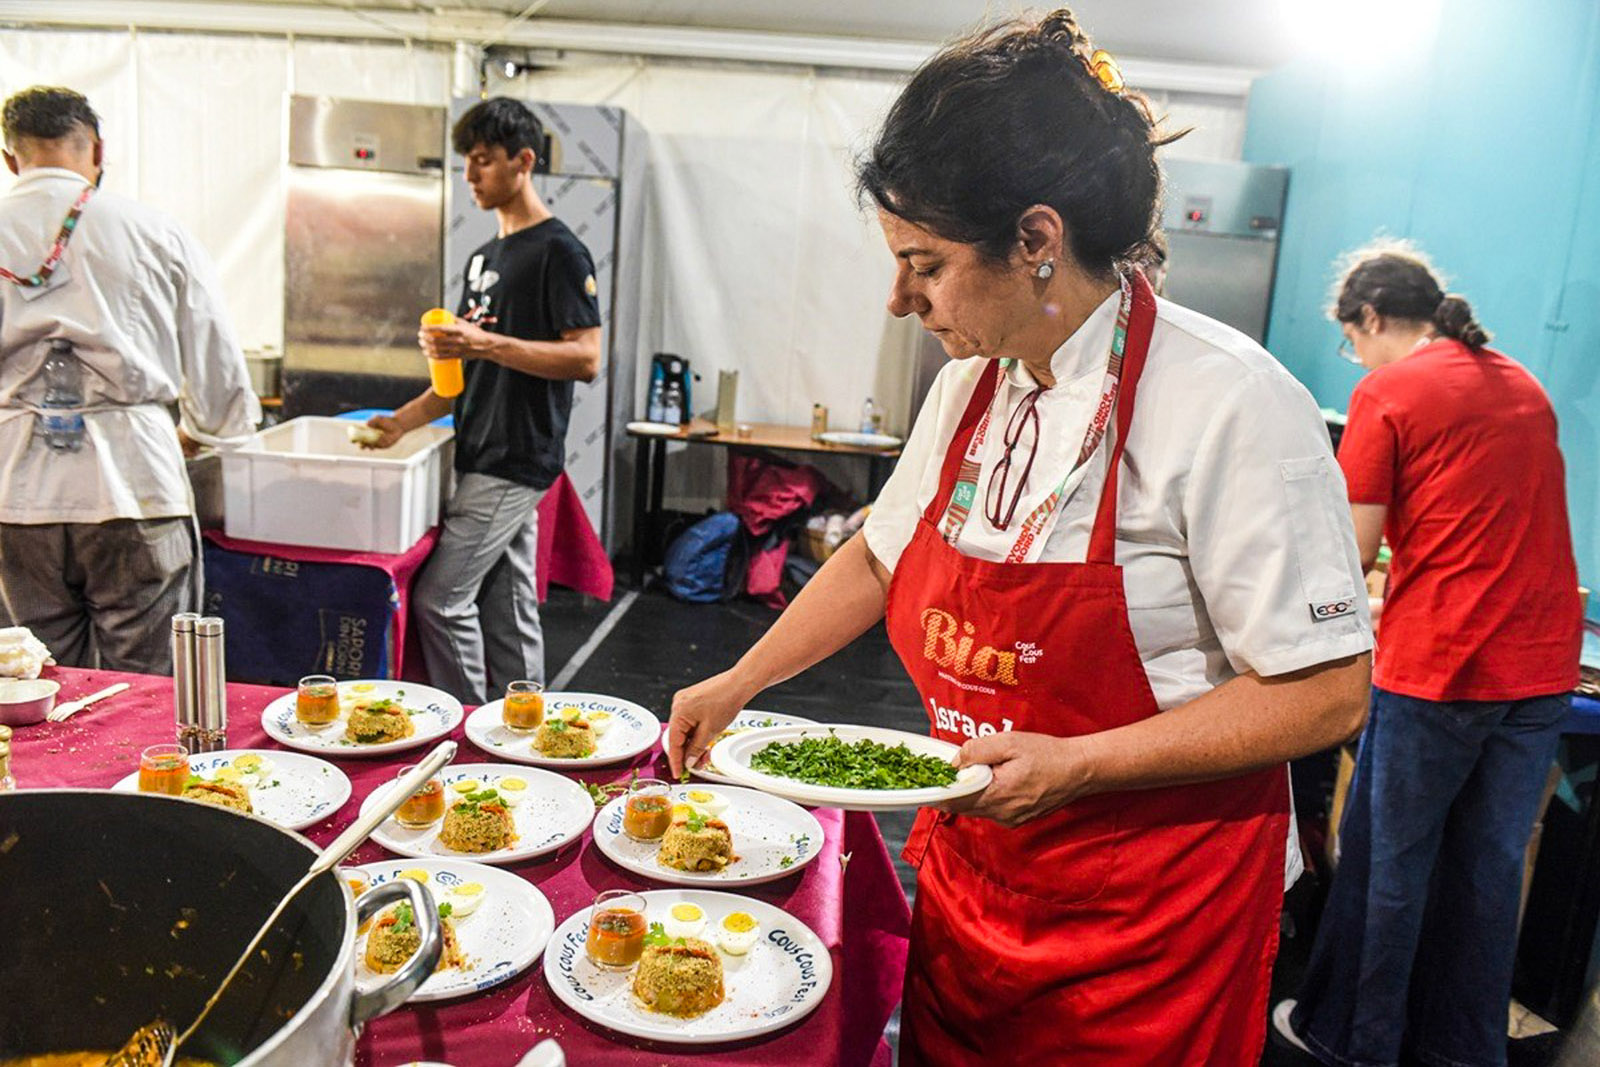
{"x":650,"y":467}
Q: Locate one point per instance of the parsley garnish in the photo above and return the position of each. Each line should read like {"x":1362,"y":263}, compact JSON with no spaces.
{"x":657,"y":935}
{"x":861,"y":764}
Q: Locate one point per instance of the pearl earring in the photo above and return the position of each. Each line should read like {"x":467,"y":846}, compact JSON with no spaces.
{"x":1045,"y":269}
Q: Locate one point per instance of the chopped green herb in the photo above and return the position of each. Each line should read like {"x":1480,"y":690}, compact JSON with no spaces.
{"x":861,"y":764}
{"x":696,"y":822}
{"x":786,"y":861}
{"x":657,"y":935}
{"x":445,"y":910}
{"x":403,"y":919}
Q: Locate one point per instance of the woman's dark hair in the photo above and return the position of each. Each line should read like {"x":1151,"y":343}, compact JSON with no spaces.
{"x":498,"y":121}
{"x":1009,"y":117}
{"x":1396,"y":280}
{"x":47,"y":114}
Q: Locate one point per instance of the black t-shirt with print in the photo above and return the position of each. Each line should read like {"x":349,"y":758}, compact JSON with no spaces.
{"x":531,"y":284}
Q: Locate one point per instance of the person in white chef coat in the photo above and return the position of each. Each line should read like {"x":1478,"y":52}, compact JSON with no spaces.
{"x":1116,"y":562}
{"x":97,"y":546}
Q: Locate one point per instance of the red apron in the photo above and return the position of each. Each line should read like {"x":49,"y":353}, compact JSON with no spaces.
{"x":1135,"y":929}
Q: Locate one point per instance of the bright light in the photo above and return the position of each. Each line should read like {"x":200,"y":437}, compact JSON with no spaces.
{"x":1363,"y":30}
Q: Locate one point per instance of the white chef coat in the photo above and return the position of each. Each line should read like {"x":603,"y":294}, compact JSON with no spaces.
{"x":1233,"y":529}
{"x":138,"y":299}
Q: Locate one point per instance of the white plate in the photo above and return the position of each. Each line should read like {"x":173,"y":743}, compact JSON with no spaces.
{"x":731,"y":756}
{"x":633,"y":730}
{"x":778,"y":982}
{"x":748,"y":719}
{"x":554,"y":810}
{"x":434,"y":714}
{"x":303,"y":790}
{"x":859,"y":440}
{"x":772,"y":838}
{"x":501,"y":939}
{"x":654,"y":429}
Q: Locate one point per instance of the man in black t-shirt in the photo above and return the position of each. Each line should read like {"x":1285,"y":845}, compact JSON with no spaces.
{"x":528,"y":327}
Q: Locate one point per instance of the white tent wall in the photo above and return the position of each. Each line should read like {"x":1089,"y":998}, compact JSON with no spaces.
{"x":756,"y":256}
{"x":194,"y":124}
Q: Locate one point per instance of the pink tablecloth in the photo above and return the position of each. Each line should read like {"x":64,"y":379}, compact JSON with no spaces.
{"x":860,"y":914}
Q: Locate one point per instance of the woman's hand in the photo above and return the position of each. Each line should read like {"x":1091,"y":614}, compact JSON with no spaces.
{"x":1033,"y":774}
{"x":700,"y":713}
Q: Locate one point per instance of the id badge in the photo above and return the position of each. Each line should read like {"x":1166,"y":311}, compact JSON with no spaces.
{"x":58,"y":277}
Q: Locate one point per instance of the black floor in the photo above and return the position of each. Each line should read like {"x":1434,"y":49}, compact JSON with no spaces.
{"x":661,"y":645}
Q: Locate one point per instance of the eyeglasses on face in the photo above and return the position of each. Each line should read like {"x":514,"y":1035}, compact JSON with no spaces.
{"x":1347,"y":352}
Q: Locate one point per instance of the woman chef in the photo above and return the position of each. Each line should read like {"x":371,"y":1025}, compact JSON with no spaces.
{"x":1135,"y":656}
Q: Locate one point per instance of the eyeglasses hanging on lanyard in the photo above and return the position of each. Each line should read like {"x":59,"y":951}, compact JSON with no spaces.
{"x":69,"y":226}
{"x":997,"y":508}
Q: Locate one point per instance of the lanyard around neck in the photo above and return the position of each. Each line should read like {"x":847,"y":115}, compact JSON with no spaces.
{"x":965,"y":492}
{"x":69,"y":226}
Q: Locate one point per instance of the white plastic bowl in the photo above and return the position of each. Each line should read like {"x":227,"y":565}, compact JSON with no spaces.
{"x":26,"y":701}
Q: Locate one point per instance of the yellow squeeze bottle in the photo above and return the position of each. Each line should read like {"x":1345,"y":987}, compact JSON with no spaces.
{"x":444,"y":373}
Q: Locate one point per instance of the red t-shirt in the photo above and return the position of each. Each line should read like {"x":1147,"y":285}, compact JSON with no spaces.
{"x":1482,"y":600}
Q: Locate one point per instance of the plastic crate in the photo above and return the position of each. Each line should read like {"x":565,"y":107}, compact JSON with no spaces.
{"x":305,"y":483}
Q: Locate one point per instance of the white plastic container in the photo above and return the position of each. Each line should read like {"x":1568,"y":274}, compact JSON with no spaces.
{"x":306,"y":483}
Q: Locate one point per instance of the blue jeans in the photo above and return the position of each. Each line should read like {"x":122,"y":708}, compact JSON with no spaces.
{"x":1417,"y":940}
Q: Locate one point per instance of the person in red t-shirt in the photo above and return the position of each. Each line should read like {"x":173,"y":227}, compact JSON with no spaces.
{"x":1450,"y":451}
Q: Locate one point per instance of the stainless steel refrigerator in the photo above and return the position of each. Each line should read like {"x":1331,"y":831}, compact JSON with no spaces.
{"x":364,"y":251}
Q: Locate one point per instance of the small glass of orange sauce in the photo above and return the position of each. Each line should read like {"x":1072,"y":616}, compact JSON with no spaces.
{"x":616,"y":930}
{"x":359,"y":882}
{"x":164,"y":769}
{"x":648,"y":810}
{"x":424,"y":807}
{"x":316,"y":700}
{"x":523,"y":710}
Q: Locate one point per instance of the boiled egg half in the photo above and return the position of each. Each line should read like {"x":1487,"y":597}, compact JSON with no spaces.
{"x":736,"y":933}
{"x":707,"y":802}
{"x":684,"y":920}
{"x":252,"y":766}
{"x":463,"y":899}
{"x":512,"y":790}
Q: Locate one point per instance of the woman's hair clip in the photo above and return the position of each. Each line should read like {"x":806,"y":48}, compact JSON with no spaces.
{"x":1104,"y":67}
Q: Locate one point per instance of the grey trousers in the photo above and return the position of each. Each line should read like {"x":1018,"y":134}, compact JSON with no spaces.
{"x":476,"y":602}
{"x":100,"y":594}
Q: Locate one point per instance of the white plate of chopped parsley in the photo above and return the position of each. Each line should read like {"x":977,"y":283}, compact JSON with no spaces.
{"x":858,"y":768}
{"x":748,"y":719}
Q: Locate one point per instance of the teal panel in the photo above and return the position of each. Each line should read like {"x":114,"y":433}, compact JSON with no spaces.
{"x":1481,"y":146}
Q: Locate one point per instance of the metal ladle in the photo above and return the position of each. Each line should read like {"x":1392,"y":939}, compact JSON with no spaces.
{"x":155,"y":1044}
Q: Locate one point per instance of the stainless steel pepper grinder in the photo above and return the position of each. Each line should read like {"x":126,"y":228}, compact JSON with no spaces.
{"x":185,"y":696}
{"x":211,"y":683}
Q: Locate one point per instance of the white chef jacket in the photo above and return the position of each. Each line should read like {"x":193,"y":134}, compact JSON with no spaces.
{"x":1233,"y":529}
{"x":138,"y":299}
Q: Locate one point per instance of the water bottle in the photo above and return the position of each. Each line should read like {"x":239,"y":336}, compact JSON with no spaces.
{"x":656,"y":411}
{"x":869,"y":417}
{"x":63,"y":396}
{"x":672,"y":406}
